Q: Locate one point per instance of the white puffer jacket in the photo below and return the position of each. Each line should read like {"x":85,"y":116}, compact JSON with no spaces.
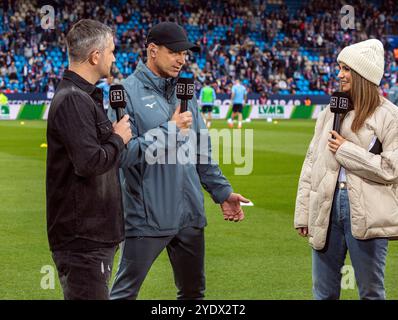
{"x":372,"y":180}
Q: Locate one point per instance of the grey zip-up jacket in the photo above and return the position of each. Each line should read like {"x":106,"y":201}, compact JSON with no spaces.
{"x":162,"y":198}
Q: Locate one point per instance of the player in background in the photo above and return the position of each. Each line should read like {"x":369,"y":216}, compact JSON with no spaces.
{"x":238,"y":99}
{"x":207,"y":97}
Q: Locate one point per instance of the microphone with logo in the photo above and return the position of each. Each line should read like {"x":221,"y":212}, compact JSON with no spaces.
{"x":185,"y":91}
{"x":340,"y":104}
{"x":118,"y":101}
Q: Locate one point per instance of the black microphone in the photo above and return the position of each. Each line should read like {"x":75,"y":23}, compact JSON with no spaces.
{"x":340,"y":104}
{"x":185,"y":91}
{"x":118,"y":100}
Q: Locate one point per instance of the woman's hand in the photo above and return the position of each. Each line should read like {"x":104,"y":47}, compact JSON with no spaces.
{"x":334,"y":144}
{"x":302,"y":231}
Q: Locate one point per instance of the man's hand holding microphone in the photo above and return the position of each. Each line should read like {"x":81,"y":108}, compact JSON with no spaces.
{"x":182,"y":117}
{"x":118,"y":101}
{"x":122,"y":128}
{"x":183,"y":120}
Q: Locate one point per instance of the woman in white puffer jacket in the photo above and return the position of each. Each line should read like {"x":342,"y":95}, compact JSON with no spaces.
{"x":347,"y":197}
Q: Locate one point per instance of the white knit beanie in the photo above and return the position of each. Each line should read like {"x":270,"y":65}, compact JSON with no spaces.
{"x":366,"y":58}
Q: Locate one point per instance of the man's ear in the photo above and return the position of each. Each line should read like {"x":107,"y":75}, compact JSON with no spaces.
{"x":94,"y":57}
{"x":153,"y":50}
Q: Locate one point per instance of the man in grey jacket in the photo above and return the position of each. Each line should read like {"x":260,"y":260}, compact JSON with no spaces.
{"x":162,"y":196}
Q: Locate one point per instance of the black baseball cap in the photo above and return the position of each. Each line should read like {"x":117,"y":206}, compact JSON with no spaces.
{"x":170,"y":35}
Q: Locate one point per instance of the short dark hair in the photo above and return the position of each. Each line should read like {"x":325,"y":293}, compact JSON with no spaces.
{"x":85,"y":36}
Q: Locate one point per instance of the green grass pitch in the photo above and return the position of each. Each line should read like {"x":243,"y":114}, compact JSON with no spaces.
{"x":259,"y":258}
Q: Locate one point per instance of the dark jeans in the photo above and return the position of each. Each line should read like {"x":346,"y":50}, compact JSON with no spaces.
{"x":186,"y":254}
{"x":85,"y":275}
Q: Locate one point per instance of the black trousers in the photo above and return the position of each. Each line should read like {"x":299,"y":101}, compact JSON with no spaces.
{"x":85,"y":275}
{"x":186,"y":254}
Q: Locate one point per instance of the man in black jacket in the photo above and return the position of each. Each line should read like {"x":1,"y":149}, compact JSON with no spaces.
{"x":84,"y":205}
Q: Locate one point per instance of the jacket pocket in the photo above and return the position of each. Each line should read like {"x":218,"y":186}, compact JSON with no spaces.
{"x":380,"y":204}
{"x":104,"y":130}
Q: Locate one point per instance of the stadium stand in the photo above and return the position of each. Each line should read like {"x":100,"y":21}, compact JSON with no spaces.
{"x":280,"y":46}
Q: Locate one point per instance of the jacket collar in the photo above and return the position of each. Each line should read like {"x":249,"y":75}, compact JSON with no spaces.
{"x":79,"y":81}
{"x":94,"y":92}
{"x":164,"y":86}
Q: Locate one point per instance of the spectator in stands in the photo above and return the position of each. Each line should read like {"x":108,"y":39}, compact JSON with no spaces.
{"x":12,"y":73}
{"x":235,"y":37}
{"x":393,"y":93}
{"x":263,"y":98}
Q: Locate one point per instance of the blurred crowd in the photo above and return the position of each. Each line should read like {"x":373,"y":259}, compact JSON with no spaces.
{"x":273,"y":47}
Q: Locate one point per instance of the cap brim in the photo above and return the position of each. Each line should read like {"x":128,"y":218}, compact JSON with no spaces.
{"x":181,"y":46}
